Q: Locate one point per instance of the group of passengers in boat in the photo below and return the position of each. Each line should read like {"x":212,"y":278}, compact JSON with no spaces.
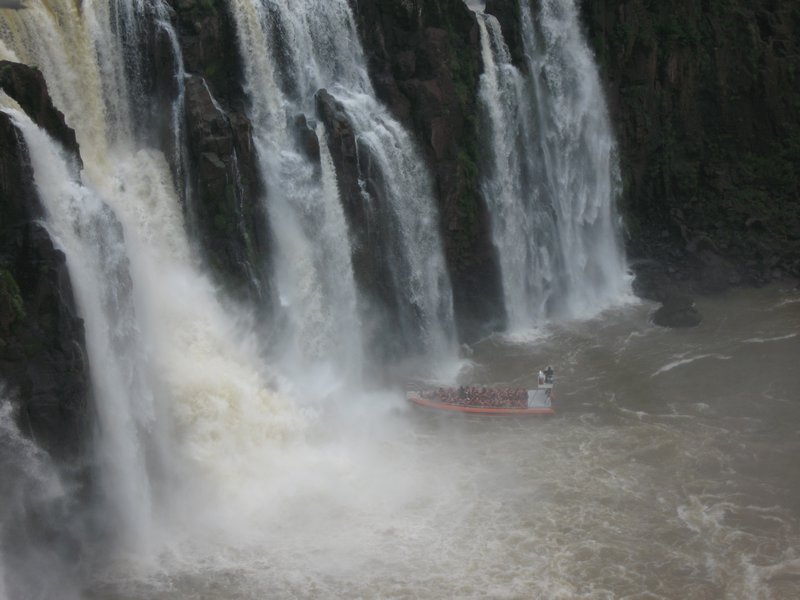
{"x":482,"y":397}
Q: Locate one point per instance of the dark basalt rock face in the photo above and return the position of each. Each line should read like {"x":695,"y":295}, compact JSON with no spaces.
{"x":507,"y":14}
{"x":223,"y":206}
{"x":344,"y":152}
{"x":208,"y":41}
{"x":224,"y":203}
{"x":705,"y":98}
{"x":372,"y":237}
{"x":424,"y":61}
{"x":26,"y":85}
{"x":42,"y":349}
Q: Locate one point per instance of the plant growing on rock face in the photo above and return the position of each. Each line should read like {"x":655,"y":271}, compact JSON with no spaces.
{"x":12,"y":307}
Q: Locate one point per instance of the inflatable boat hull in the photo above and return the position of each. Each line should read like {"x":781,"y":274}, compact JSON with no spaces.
{"x":415,"y":398}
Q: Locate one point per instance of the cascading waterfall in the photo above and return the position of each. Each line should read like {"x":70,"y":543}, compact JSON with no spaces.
{"x":308,"y":46}
{"x":318,"y":303}
{"x":552,"y":177}
{"x":92,"y":239}
{"x":181,"y":396}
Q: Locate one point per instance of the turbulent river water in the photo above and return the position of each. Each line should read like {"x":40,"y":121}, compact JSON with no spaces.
{"x":670,"y":471}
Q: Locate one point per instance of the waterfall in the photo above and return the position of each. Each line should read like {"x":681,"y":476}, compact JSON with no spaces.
{"x":35,"y":503}
{"x":551,"y":179}
{"x":92,"y":238}
{"x":313,"y":271}
{"x":291,"y":50}
{"x":181,"y":394}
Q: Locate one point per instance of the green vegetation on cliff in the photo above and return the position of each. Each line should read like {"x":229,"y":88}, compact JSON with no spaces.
{"x":706,"y":102}
{"x":12,"y":307}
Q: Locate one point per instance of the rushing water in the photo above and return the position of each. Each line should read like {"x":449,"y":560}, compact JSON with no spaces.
{"x":669,"y":471}
{"x":551,"y":176}
{"x":291,"y":50}
{"x":34,"y":541}
{"x":173,"y":372}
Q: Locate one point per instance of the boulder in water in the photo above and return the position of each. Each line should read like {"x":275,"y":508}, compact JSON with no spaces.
{"x":677,"y":311}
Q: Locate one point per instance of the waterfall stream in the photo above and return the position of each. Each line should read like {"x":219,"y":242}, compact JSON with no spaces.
{"x":301,"y":48}
{"x":175,"y":376}
{"x":551,"y":179}
{"x":182,"y":392}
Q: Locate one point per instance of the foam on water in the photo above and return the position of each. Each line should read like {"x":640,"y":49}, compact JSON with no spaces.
{"x":617,"y":496}
{"x":687,"y":361}
{"x":760,"y":340}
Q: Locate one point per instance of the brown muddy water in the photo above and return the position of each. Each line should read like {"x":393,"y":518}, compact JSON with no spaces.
{"x":671,"y":471}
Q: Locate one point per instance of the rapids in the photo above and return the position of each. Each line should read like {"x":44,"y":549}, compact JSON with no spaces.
{"x":669,"y":471}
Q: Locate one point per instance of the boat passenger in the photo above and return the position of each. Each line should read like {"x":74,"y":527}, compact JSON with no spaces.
{"x":548,"y":374}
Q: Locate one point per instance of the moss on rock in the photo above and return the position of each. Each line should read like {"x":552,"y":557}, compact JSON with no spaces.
{"x":705,"y":99}
{"x":12,"y":306}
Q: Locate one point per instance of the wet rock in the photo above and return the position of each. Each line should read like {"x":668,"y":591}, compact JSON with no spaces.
{"x":424,"y":60}
{"x":210,"y":49}
{"x":27,"y":87}
{"x":714,"y":273}
{"x":677,"y":311}
{"x":704,"y":105}
{"x":507,"y":14}
{"x":307,"y":139}
{"x":42,"y":346}
{"x":225,"y":204}
{"x":366,"y":211}
{"x":342,"y":145}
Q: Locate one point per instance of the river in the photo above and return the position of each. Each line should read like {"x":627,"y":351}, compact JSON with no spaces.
{"x":669,"y":471}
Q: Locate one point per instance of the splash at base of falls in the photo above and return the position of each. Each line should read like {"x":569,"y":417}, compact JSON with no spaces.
{"x":635,"y":487}
{"x":182,"y":395}
{"x":39,"y":531}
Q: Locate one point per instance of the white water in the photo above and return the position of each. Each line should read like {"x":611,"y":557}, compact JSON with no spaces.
{"x":33,"y":500}
{"x":182,"y":397}
{"x":680,"y":486}
{"x":224,"y":496}
{"x":313,"y":271}
{"x":552,"y":178}
{"x":292,"y":50}
{"x":637,"y":488}
{"x":188,"y":425}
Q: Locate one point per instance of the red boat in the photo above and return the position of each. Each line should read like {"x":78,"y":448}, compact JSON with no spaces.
{"x":488,"y":400}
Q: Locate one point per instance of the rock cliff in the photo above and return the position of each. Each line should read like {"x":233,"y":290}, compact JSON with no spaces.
{"x":42,"y":348}
{"x":706,"y":101}
{"x":223,"y":203}
{"x":425,"y":63}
